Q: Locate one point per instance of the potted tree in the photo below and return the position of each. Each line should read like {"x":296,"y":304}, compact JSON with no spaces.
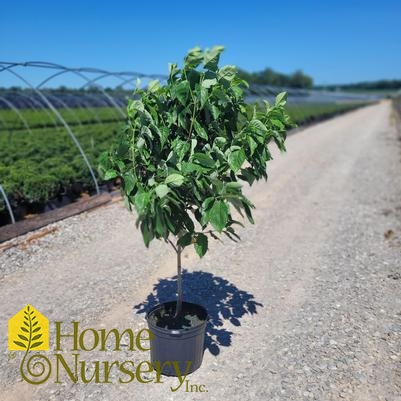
{"x":188,"y":146}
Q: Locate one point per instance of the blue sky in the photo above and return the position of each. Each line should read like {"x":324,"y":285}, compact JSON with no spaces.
{"x":333,"y":41}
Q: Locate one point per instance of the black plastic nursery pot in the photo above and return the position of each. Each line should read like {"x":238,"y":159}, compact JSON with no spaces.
{"x":177,"y":340}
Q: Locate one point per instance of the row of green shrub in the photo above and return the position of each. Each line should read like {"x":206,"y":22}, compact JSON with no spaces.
{"x":10,"y":120}
{"x":45,"y":163}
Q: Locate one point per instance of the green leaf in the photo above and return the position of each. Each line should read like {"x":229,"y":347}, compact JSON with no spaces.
{"x":185,"y":240}
{"x":231,"y":236}
{"x":135,"y":105}
{"x":183,"y":120}
{"x":140,"y":143}
{"x":236,"y":159}
{"x":188,"y":168}
{"x":207,"y":83}
{"x":172,"y":228}
{"x":228,"y":72}
{"x":164,"y":132}
{"x":279,"y":140}
{"x":36,"y":344}
{"x":153,"y":85}
{"x":20,"y":344}
{"x":203,"y":96}
{"x":194,"y":142}
{"x":248,"y":175}
{"x":219,"y":141}
{"x":37,"y":329}
{"x":204,"y":159}
{"x":189,"y":224}
{"x":193,"y":77}
{"x":281,"y":99}
{"x":22,"y":337}
{"x":181,"y":92}
{"x":175,"y":180}
{"x":200,"y":130}
{"x":193,"y":58}
{"x":207,"y":203}
{"x":215,"y":112}
{"x":220,"y":94}
{"x":173,"y":70}
{"x":257,"y":126}
{"x":252,"y":144}
{"x":238,"y":92}
{"x":147,"y":233}
{"x":278,"y":123}
{"x":141,"y":202}
{"x":162,"y":190}
{"x":181,"y":148}
{"x":122,"y":149}
{"x":201,"y":244}
{"x":145,"y":130}
{"x":248,"y":212}
{"x":129,"y":182}
{"x":161,"y":227}
{"x":110,"y":174}
{"x":218,"y":215}
{"x":24,"y":329}
{"x":232,"y":231}
{"x":234,"y":185}
{"x":211,"y":57}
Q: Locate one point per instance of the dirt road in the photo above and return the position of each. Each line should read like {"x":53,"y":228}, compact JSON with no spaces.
{"x":306,"y":307}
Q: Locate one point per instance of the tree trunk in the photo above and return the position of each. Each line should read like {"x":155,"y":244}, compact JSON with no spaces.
{"x":178,"y":308}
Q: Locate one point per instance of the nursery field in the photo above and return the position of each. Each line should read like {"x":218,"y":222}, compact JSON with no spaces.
{"x":39,"y":161}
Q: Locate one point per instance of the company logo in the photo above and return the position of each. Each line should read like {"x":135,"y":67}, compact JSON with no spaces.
{"x":28,"y":331}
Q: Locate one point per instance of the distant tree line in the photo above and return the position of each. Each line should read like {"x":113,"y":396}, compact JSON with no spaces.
{"x":270,"y":77}
{"x":370,"y":85}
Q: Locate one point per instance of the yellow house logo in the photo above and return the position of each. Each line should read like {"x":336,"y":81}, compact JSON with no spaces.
{"x":28,"y":330}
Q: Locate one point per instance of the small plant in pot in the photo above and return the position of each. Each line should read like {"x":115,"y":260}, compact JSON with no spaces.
{"x":188,"y":146}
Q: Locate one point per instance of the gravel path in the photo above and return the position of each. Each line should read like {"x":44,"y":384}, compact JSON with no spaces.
{"x":308,"y":303}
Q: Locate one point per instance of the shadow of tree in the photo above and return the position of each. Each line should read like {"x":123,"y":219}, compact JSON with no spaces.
{"x":224,"y":302}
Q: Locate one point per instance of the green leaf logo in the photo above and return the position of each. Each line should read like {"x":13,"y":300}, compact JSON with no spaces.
{"x":29,"y":321}
{"x":28,"y":330}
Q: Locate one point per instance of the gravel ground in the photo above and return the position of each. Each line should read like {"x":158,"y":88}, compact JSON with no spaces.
{"x":306,"y":307}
